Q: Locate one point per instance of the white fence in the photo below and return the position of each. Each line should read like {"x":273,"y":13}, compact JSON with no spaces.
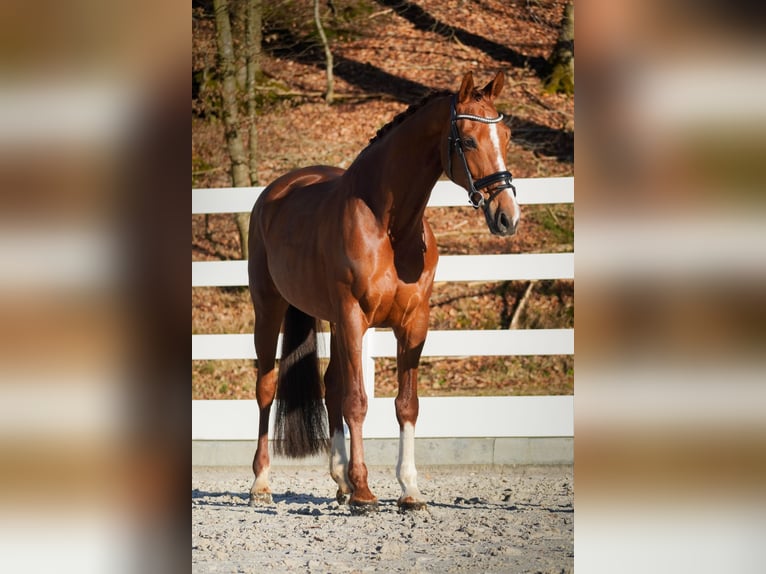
{"x":543,"y":416}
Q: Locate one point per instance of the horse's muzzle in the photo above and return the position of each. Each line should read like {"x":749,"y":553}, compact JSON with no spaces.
{"x":500,"y":222}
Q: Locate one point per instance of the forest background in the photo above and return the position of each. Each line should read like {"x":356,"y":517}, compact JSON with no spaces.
{"x":386,"y":55}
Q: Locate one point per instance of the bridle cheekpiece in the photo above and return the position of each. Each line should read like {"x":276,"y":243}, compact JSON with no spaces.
{"x":503,"y":178}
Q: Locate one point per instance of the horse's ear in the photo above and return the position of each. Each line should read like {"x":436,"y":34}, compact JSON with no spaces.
{"x":493,"y":89}
{"x":466,"y":88}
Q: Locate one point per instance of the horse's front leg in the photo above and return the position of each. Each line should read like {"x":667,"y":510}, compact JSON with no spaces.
{"x":349,"y":338}
{"x":410,"y":340}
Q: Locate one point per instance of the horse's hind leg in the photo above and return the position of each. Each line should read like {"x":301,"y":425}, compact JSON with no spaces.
{"x":268,"y":319}
{"x":333,"y":381}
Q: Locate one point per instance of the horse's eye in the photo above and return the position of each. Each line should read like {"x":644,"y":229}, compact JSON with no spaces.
{"x":470,"y":143}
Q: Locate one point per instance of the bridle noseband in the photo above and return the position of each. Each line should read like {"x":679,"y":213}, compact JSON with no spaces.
{"x":503,"y":178}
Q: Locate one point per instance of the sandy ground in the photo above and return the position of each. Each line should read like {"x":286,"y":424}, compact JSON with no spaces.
{"x":479,"y":519}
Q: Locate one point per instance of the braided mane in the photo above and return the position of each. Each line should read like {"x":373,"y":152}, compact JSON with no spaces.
{"x":406,"y":114}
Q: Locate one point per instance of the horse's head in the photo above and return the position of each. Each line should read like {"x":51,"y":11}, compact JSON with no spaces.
{"x":475,"y":154}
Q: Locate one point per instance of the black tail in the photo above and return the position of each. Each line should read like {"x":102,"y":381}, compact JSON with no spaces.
{"x":301,"y":418}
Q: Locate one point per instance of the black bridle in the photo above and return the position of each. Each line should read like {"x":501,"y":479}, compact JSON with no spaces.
{"x":503,"y":178}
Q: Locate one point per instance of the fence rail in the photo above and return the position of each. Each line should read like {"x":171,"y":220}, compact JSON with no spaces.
{"x":450,"y":268}
{"x":445,"y":194}
{"x":483,"y":343}
{"x":439,"y":416}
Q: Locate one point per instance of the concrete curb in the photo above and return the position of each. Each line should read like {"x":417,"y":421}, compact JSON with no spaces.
{"x":428,"y":451}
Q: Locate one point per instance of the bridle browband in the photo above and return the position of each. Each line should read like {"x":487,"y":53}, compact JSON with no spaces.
{"x":503,"y":178}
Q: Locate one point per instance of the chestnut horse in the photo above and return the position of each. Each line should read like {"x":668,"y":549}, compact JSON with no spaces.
{"x":353,"y":248}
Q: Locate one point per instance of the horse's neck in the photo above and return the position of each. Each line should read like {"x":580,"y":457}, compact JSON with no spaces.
{"x":398,"y":173}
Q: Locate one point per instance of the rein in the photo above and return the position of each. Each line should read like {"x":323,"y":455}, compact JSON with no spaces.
{"x":503,"y":178}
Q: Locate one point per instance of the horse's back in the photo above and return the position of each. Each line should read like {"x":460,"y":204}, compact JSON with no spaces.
{"x":313,"y":180}
{"x":300,"y":179}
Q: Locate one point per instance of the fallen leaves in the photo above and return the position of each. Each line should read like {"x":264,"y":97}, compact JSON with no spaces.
{"x":383,"y":51}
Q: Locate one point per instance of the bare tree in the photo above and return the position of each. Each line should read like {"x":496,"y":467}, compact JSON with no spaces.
{"x":253,"y":62}
{"x":329,"y":94}
{"x":561,"y":62}
{"x":243,"y":167}
{"x":239,"y":171}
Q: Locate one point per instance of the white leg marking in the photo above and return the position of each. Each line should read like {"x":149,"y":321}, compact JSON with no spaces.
{"x":261,"y":482}
{"x":339,"y":461}
{"x":406,"y":473}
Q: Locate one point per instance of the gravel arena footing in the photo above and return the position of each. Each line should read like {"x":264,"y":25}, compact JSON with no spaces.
{"x":478,"y":519}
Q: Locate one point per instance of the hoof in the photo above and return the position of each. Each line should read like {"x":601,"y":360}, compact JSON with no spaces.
{"x":260,"y":499}
{"x":342,"y":497}
{"x":359,"y":508}
{"x":408,"y":504}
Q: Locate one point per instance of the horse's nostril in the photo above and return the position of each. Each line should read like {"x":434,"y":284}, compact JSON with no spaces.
{"x":503,"y":222}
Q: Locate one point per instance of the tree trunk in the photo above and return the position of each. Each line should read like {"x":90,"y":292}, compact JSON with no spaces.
{"x":254,"y":17}
{"x":253,"y":57}
{"x":239,"y":165}
{"x":329,"y":95}
{"x":561,"y":79}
